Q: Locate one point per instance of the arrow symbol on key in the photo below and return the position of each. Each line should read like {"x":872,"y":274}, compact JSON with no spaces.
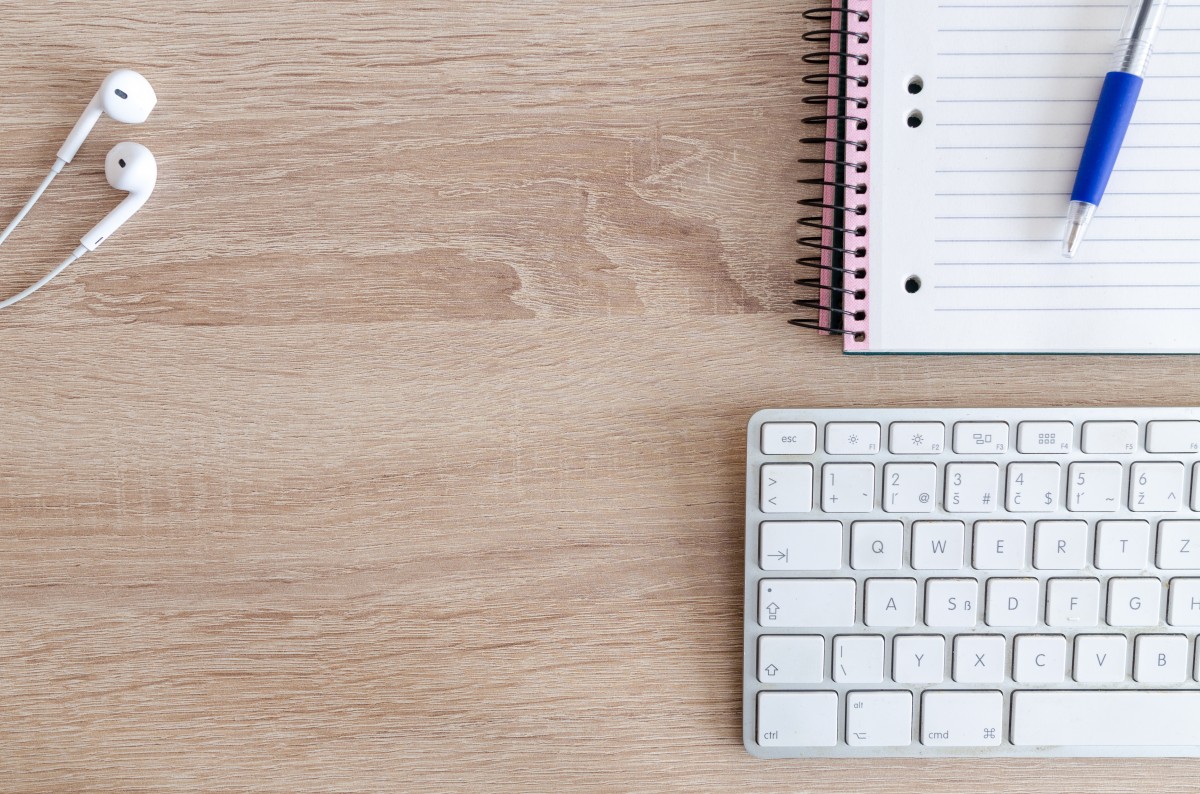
{"x":780,"y":555}
{"x":772,"y":669}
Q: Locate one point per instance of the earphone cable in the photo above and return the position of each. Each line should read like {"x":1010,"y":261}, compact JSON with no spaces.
{"x":37,"y":194}
{"x":46,"y":279}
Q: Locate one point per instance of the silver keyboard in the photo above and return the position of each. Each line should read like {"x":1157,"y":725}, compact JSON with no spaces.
{"x":972,"y":582}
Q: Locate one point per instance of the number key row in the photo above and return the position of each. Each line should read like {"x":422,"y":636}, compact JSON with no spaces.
{"x":976,"y":487}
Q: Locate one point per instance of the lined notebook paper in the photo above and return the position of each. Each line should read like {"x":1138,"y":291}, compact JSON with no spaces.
{"x":968,"y":207}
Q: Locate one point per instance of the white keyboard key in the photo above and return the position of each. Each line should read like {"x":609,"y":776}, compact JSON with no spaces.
{"x":1060,"y":545}
{"x":980,"y":438}
{"x":791,"y":660}
{"x":972,"y":487}
{"x":951,"y":602}
{"x":1057,"y":438}
{"x":797,"y":719}
{"x":851,"y":438}
{"x":858,"y":659}
{"x":962,"y":719}
{"x":1160,"y":659}
{"x":1183,"y":603}
{"x":1173,"y":437}
{"x":909,"y":487}
{"x":1034,"y":487}
{"x":1000,"y":545}
{"x":789,"y":438}
{"x":1110,"y":438}
{"x":890,"y":603}
{"x":1105,"y":718}
{"x":1100,"y":658}
{"x":1073,"y":602}
{"x":876,"y":545}
{"x":1156,"y":487}
{"x":938,"y":545}
{"x":1122,"y":545}
{"x":1134,"y":602}
{"x":1012,"y":602}
{"x":800,"y":546}
{"x":979,"y":659}
{"x":916,"y":438}
{"x":847,"y":487}
{"x":1039,"y":659}
{"x":1196,"y":488}
{"x":919,"y":659}
{"x":1179,"y":545}
{"x":1094,"y":487}
{"x":786,"y":488}
{"x":805,"y":603}
{"x":879,"y":719}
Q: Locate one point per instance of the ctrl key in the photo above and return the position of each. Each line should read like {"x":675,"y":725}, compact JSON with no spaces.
{"x":797,"y":719}
{"x":961,"y":719}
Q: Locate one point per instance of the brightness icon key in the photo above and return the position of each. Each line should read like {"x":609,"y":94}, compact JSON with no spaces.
{"x":916,"y":438}
{"x":852,"y":438}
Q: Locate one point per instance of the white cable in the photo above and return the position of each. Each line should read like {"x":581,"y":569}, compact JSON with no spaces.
{"x":44,"y":280}
{"x":37,"y":194}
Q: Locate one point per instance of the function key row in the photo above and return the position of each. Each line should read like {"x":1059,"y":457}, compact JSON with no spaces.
{"x":980,"y":438}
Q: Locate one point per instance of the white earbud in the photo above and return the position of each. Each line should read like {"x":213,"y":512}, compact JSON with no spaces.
{"x":129,"y":167}
{"x":125,"y":96}
{"x":132,"y":168}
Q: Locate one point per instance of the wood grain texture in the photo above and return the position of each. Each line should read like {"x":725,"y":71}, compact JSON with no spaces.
{"x":397,"y":444}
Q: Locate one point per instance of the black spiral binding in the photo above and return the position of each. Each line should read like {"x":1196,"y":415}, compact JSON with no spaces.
{"x":835,"y":257}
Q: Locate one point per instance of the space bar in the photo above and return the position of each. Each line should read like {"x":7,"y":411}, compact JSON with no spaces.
{"x":1106,"y":717}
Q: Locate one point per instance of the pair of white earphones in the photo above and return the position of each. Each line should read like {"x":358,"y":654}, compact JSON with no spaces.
{"x":127,"y":97}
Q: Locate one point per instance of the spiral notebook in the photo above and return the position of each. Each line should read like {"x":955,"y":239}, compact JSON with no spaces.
{"x":950,"y":132}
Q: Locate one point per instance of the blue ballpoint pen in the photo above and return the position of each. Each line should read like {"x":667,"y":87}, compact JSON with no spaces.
{"x":1122,"y":85}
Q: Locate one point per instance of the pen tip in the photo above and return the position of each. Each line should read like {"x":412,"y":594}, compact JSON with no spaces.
{"x":1072,"y":240}
{"x":1079,"y":215}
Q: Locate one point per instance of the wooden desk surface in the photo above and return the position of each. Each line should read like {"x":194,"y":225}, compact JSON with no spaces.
{"x":397,"y":444}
